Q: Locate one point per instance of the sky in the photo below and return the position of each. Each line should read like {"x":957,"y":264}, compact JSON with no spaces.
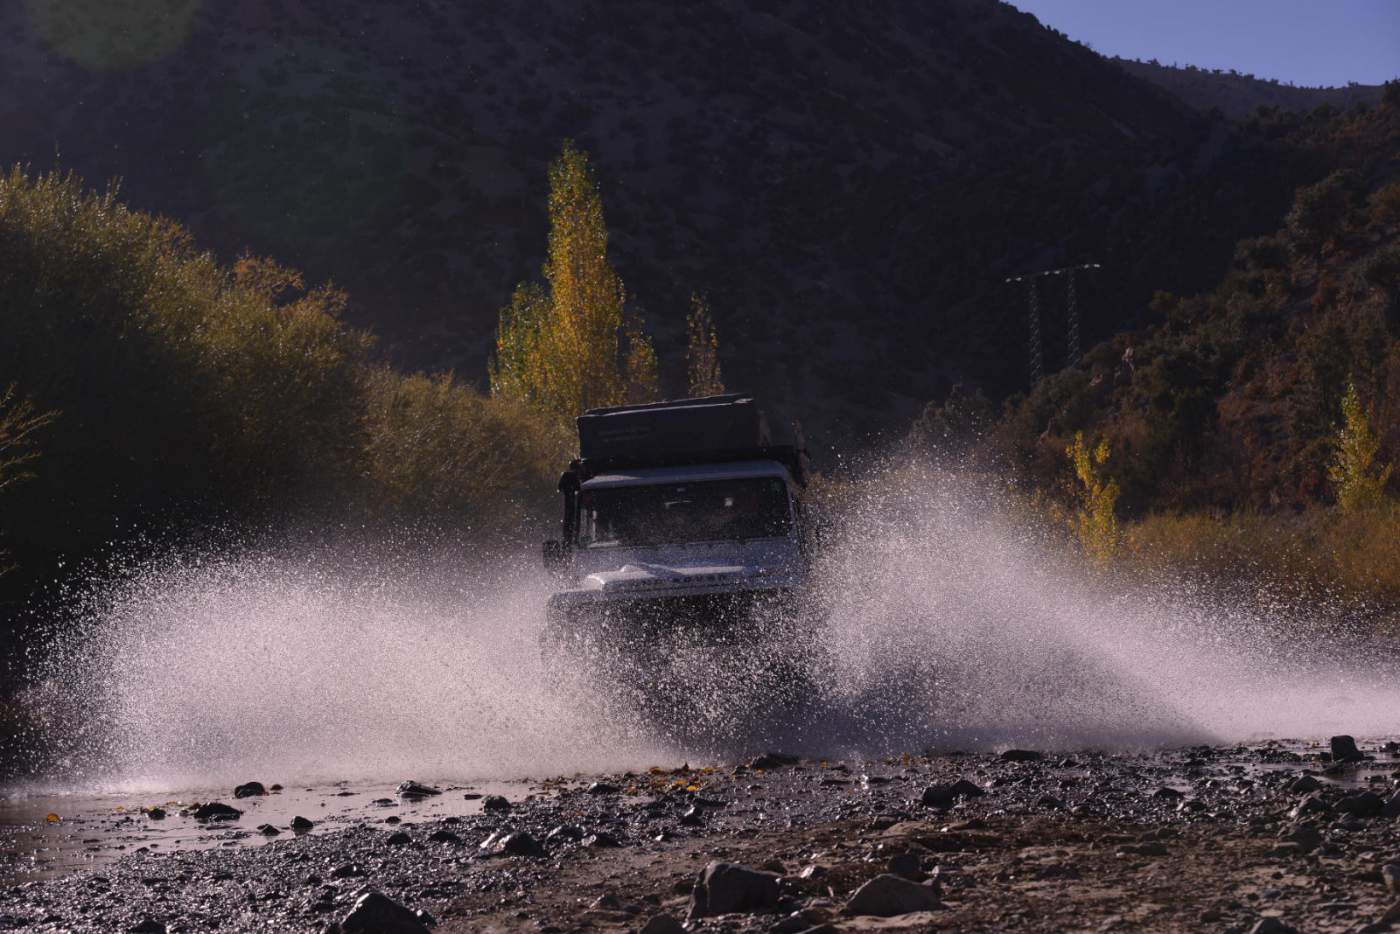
{"x":1307,"y":42}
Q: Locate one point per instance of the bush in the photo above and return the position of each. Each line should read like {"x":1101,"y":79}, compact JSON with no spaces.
{"x":1308,"y":554}
{"x":439,"y":452}
{"x":190,"y":389}
{"x":1385,"y":205}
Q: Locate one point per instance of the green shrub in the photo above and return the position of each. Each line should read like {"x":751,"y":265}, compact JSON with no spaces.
{"x":438,"y":451}
{"x":191,"y":389}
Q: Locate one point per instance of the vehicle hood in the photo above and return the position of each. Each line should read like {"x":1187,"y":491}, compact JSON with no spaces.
{"x":690,"y":568}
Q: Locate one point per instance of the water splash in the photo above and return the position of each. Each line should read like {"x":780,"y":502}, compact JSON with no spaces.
{"x":955,"y":620}
{"x":950,"y":620}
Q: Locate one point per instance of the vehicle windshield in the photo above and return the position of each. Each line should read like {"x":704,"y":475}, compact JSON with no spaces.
{"x":676,"y":513}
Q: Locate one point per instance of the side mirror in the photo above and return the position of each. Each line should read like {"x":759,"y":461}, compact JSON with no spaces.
{"x":555,"y":557}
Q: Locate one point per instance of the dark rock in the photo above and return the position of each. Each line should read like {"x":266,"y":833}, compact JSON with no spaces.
{"x":1392,"y":807}
{"x":249,"y":790}
{"x":725,"y":888}
{"x":773,"y":760}
{"x":906,"y":865}
{"x":155,"y":813}
{"x":216,"y":810}
{"x":1050,"y":802}
{"x":147,"y":926}
{"x":602,"y":840}
{"x":495,"y":803}
{"x":444,"y":836}
{"x":1151,"y":848}
{"x":1022,"y":755}
{"x":414,"y":790}
{"x":692,"y":817}
{"x":517,"y":843}
{"x":794,"y":923}
{"x":945,"y":795}
{"x":1272,"y":926}
{"x":606,"y":902}
{"x":1311,"y":804}
{"x":888,"y":895}
{"x":662,"y":924}
{"x":1344,"y":750}
{"x":1166,"y":793}
{"x":603,"y":788}
{"x":374,"y":913}
{"x":301,"y":824}
{"x":347,"y":871}
{"x":267,"y":830}
{"x":471,"y":796}
{"x":1391,"y":915}
{"x":1304,"y":784}
{"x":1361,"y":804}
{"x":398,"y":838}
{"x":564,"y":832}
{"x":1305,"y":836}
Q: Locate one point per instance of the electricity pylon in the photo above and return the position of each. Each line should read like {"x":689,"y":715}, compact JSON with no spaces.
{"x":1032,"y":279}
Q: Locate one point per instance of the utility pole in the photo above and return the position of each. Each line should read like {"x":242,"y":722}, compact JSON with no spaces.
{"x":1035,"y":348}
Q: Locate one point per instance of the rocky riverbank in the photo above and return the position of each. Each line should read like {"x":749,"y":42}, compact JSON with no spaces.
{"x":1273,"y":837}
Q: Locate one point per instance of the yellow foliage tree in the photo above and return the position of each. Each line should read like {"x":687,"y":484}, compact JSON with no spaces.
{"x":517,"y":370}
{"x":702,"y":350}
{"x":559,"y":348}
{"x":1357,"y":479}
{"x":642,"y":371}
{"x":1096,"y":497}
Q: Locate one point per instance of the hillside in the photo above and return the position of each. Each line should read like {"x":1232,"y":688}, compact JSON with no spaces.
{"x":1240,"y":96}
{"x":849,"y":182}
{"x":1231,"y":401}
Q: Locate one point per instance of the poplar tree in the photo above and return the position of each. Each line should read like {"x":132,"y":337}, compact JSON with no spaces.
{"x":702,"y":350}
{"x":559,"y":348}
{"x":1358,"y":480}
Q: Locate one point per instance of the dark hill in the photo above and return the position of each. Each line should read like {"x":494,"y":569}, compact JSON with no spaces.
{"x":1232,"y":399}
{"x":1238,"y":96}
{"x":849,"y":182}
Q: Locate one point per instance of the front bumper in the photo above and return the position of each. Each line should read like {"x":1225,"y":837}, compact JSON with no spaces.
{"x":596,"y":613}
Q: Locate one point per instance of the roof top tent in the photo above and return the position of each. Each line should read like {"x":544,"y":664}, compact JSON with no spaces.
{"x":712,"y":429}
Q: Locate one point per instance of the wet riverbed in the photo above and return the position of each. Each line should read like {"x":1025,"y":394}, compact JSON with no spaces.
{"x":45,"y":834}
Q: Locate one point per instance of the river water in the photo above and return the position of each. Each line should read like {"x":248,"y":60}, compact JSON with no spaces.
{"x":948,"y":622}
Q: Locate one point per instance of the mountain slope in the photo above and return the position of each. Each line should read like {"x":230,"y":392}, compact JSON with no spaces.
{"x":1232,"y":399}
{"x":850,"y":182}
{"x":1240,"y":96}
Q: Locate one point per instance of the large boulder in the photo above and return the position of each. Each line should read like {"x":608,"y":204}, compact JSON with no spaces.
{"x":726,"y":888}
{"x":216,"y":810}
{"x":888,"y":895}
{"x":1361,"y":804}
{"x":1344,"y":750}
{"x":945,"y":795}
{"x":416,"y":791}
{"x":375,"y":913}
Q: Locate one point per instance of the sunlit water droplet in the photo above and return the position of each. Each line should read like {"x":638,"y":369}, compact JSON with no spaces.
{"x":949,"y":621}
